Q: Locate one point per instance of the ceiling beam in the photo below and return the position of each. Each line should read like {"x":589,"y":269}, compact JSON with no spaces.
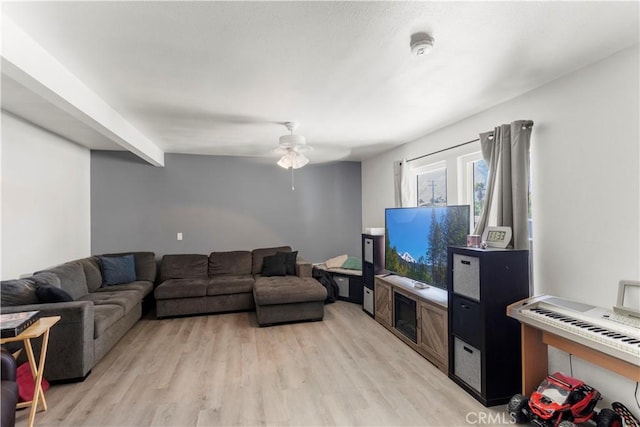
{"x":28,"y":63}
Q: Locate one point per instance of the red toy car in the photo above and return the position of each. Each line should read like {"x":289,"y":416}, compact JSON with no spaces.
{"x":561,"y":401}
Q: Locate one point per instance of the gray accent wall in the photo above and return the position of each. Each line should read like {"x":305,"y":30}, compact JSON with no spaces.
{"x":223,"y":203}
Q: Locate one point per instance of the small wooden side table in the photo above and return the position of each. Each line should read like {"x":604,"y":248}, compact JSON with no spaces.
{"x":40,"y":328}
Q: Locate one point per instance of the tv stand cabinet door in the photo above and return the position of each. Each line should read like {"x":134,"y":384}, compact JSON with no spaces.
{"x":382,"y":294}
{"x":432,"y":333}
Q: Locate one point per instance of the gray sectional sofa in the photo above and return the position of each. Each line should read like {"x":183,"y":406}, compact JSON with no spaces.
{"x":97,"y":310}
{"x":237,"y":280}
{"x":187,"y":286}
{"x":95,"y":318}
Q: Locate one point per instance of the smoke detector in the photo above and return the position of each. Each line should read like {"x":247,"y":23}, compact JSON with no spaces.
{"x":421,"y":43}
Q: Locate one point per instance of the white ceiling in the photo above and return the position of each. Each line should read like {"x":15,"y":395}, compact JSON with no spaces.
{"x":220,"y":77}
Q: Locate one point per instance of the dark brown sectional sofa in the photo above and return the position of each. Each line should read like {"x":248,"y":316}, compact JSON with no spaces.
{"x":233,"y":281}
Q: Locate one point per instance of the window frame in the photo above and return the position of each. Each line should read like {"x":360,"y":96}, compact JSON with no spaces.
{"x":429,"y":168}
{"x":465,"y":181}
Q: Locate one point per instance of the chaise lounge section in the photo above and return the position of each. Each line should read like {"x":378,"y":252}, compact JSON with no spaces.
{"x":288,"y":299}
{"x":285,"y":298}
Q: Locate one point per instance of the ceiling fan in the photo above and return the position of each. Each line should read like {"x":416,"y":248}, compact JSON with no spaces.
{"x":292,"y":147}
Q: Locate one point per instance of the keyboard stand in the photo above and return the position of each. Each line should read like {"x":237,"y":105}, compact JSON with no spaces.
{"x":535,"y":358}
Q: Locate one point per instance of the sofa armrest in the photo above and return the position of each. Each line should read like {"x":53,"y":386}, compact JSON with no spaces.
{"x":9,"y":366}
{"x":70,"y":352}
{"x":68,"y":311}
{"x":303,"y":267}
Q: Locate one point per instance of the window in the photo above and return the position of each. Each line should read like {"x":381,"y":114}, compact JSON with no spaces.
{"x":480,"y":171}
{"x":432,"y":185}
{"x":474,"y":186}
{"x":473,"y":179}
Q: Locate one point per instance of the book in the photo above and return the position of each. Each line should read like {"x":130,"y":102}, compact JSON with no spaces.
{"x":13,"y":324}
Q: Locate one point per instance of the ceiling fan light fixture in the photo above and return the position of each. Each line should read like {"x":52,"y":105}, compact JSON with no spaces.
{"x":421,"y":43}
{"x":286,"y":161}
{"x":292,"y":159}
{"x":292,"y":145}
{"x":299,"y":161}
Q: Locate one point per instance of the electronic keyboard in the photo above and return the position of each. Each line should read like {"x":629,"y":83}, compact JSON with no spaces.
{"x":591,"y":326}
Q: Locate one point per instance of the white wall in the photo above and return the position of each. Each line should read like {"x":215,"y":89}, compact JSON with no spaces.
{"x":585,"y":186}
{"x":45,"y":199}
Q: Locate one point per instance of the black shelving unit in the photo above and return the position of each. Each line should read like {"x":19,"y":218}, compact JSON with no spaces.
{"x":349,"y":286}
{"x":372,"y":264}
{"x":484,"y":344}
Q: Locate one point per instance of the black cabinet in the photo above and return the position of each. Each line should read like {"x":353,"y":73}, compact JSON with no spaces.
{"x":349,"y":287}
{"x":372,"y":264}
{"x":484,"y":344}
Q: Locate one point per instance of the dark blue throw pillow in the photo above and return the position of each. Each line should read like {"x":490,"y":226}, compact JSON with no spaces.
{"x":48,"y":293}
{"x":117,"y":270}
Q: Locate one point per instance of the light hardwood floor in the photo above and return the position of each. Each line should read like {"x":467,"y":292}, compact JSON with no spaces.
{"x":223,"y":370}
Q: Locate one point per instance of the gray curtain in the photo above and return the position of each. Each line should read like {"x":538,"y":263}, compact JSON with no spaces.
{"x":402,"y":180}
{"x":506,"y":151}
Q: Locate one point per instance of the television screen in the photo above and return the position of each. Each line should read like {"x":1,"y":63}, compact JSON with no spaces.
{"x":416,"y":240}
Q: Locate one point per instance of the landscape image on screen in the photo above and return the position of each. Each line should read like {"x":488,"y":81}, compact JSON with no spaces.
{"x":416,"y":241}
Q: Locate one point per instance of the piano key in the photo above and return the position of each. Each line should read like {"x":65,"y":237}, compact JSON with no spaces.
{"x":607,"y":336}
{"x":585,"y":324}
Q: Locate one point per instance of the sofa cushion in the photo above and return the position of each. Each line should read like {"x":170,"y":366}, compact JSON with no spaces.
{"x":142,"y":287}
{"x":92,"y":272}
{"x":229,"y":285}
{"x":232,"y":262}
{"x":146,"y":265}
{"x":274,"y":265}
{"x":185,"y":266}
{"x":50,"y":294}
{"x":104,"y":316}
{"x":181,"y":288}
{"x":18,"y":292}
{"x":290,"y":262}
{"x":117,"y":270}
{"x":287,"y":290}
{"x":258,"y":255}
{"x":125,"y":299}
{"x":72,"y":279}
{"x":46,"y":278}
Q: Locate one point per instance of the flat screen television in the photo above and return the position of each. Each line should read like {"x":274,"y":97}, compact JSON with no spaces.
{"x":416,"y":240}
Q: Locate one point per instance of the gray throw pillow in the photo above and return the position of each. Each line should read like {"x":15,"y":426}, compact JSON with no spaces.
{"x":18,"y":292}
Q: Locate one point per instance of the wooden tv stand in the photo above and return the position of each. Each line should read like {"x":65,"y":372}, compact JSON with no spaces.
{"x":431,"y":313}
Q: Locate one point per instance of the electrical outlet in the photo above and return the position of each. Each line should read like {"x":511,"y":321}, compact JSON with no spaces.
{"x":179,"y":236}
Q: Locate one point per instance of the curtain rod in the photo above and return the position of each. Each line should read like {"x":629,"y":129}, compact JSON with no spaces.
{"x":526,"y":125}
{"x":443,"y":150}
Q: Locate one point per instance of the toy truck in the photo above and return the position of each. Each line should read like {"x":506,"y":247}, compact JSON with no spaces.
{"x":561,"y":401}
